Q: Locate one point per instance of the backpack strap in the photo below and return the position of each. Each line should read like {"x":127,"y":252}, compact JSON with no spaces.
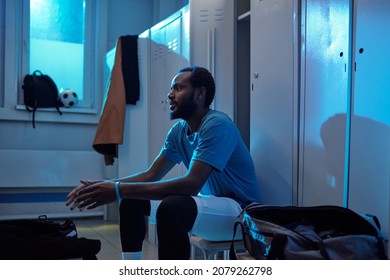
{"x":33,"y":112}
{"x":33,"y":116}
{"x":232,"y":251}
{"x":34,"y":77}
{"x":278,"y":244}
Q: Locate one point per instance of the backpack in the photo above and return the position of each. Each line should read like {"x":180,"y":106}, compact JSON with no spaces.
{"x":305,"y":233}
{"x":40,"y":91}
{"x":44,"y":239}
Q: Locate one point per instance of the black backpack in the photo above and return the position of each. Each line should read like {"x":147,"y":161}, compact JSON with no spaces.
{"x":40,"y":91}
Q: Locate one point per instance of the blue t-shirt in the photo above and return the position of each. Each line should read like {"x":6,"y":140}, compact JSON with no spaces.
{"x":219,"y":144}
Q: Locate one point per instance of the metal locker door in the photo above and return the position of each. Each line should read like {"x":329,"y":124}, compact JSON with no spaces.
{"x":273,"y":97}
{"x":212,"y":46}
{"x":325,"y":101}
{"x":369,"y":176}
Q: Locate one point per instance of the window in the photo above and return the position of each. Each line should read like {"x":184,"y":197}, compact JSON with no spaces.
{"x":61,"y":38}
{"x":56,"y":42}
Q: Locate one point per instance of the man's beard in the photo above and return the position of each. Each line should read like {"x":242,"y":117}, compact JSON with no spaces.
{"x":185,"y":110}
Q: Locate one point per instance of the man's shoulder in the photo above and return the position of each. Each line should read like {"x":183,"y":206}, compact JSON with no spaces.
{"x":217,"y":117}
{"x":178,"y":127}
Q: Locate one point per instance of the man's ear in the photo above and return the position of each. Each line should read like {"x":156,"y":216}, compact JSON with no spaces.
{"x":201,"y":93}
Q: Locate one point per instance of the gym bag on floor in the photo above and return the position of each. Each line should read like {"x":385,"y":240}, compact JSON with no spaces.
{"x":40,"y":91}
{"x":304,"y":233}
{"x":44,"y":239}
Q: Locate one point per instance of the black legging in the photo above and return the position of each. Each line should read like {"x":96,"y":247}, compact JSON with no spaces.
{"x":175,"y":218}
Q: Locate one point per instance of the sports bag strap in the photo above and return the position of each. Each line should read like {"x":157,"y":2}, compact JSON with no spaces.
{"x":382,"y":247}
{"x":27,"y":108}
{"x":322,"y":250}
{"x":33,"y":116}
{"x":232,"y":251}
{"x":277,"y":247}
{"x":34,"y":75}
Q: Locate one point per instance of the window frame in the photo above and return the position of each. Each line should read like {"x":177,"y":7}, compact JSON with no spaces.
{"x":16,"y":65}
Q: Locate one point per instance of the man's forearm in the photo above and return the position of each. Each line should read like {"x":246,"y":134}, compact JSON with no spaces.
{"x":138,"y":177}
{"x":157,"y":190}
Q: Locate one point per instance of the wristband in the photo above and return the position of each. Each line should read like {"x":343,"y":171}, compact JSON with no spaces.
{"x":118,"y":195}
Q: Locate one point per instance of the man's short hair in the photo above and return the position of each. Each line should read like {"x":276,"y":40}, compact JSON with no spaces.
{"x":201,"y":77}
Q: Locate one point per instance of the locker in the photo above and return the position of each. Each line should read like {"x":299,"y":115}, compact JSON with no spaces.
{"x":369,"y":168}
{"x":345,"y":148}
{"x":320,"y":92}
{"x":326,"y":91}
{"x":273,"y":98}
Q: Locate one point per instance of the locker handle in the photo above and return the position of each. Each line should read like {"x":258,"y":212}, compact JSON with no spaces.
{"x":361,"y":50}
{"x":211,"y":50}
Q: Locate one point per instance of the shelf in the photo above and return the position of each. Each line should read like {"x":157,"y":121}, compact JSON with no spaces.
{"x":245,"y":16}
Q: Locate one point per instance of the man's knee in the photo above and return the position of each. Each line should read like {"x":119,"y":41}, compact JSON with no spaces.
{"x":176,"y":209}
{"x":169,"y":206}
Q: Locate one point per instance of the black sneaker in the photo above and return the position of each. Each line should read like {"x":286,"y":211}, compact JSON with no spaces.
{"x":66,"y":229}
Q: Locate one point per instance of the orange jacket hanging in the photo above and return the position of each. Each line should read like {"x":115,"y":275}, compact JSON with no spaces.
{"x":123,"y":88}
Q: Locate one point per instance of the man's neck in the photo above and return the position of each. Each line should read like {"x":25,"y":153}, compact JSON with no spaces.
{"x":196,"y":119}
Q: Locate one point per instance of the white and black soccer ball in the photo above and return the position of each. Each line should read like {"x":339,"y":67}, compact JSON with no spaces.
{"x":68,"y":98}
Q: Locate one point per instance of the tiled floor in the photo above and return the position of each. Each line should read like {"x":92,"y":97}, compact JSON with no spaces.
{"x":108,"y":233}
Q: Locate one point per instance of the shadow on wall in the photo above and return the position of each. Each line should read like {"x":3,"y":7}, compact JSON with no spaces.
{"x":333,"y":137}
{"x":369,"y":159}
{"x":368,"y":135}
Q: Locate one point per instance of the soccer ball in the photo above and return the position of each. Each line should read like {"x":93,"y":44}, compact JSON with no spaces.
{"x":68,"y":98}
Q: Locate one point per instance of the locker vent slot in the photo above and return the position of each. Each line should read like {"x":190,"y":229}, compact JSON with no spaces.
{"x":218,"y":15}
{"x":172,"y":45}
{"x":158,"y":53}
{"x":204,"y":15}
